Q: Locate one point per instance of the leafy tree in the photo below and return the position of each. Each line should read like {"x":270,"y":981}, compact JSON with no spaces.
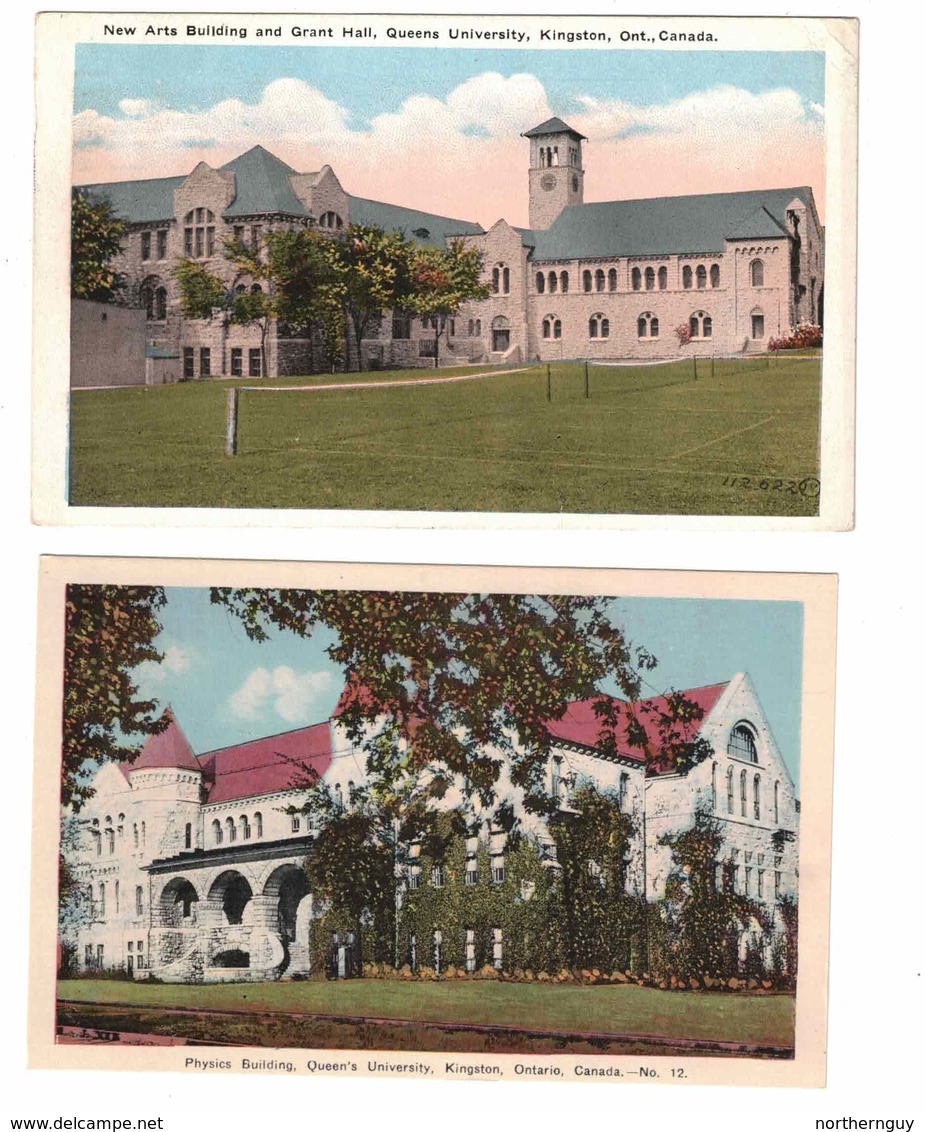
{"x":442,"y":280}
{"x":75,"y":901}
{"x":96,"y":235}
{"x":201,"y":290}
{"x":109,"y":630}
{"x":376,"y":270}
{"x":472,"y":681}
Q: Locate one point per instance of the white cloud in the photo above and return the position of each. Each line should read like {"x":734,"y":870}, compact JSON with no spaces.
{"x":291,"y":695}
{"x":177,"y":660}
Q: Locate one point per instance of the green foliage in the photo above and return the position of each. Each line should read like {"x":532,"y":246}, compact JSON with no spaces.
{"x":308,"y":279}
{"x":109,"y":630}
{"x":442,"y":279}
{"x":201,"y":290}
{"x":96,"y":236}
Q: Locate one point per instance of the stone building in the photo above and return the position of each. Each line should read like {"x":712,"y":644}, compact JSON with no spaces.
{"x":603,"y":280}
{"x":195,"y":863}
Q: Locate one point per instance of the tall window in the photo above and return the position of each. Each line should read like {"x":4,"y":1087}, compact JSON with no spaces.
{"x":743,"y":791}
{"x":623,"y":791}
{"x":258,"y":824}
{"x":742,"y":743}
{"x":663,"y":278}
{"x":756,"y":268}
{"x":188,"y":836}
{"x":102,"y":892}
{"x":777,"y":803}
{"x":598,"y":326}
{"x":553,"y":282}
{"x":730,"y":793}
{"x":438,"y":875}
{"x":599,"y":279}
{"x":205,"y":361}
{"x":237,"y":361}
{"x":636,"y":279}
{"x":701,"y":325}
{"x":552,"y":327}
{"x":701,"y":277}
{"x":145,"y":245}
{"x":540,"y":287}
{"x":189,"y":363}
{"x":757,"y":326}
{"x":497,"y":948}
{"x":714,"y":275}
{"x":162,"y":243}
{"x":650,"y":278}
{"x":563,"y":282}
{"x":139,"y":900}
{"x":687,"y":278}
{"x":254,"y":363}
{"x":230,"y":827}
{"x":713,"y":789}
{"x":199,"y":234}
{"x":216,"y":832}
{"x":612,"y":279}
{"x":586,"y":281}
{"x":647,"y":325}
{"x":135,"y":834}
{"x":245,"y":828}
{"x":116,"y":895}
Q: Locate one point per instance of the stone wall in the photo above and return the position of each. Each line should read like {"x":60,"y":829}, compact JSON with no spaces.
{"x":107,"y":345}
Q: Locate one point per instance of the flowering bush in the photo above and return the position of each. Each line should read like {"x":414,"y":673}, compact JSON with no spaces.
{"x":684,"y":333}
{"x":804,"y":336}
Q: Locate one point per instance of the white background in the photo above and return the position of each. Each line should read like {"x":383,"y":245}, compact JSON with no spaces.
{"x":876,"y":939}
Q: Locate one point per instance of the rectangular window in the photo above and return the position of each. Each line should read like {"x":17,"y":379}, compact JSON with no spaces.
{"x":237,"y":361}
{"x":296,"y":823}
{"x":238,"y":233}
{"x":470,"y":949}
{"x":255,"y":237}
{"x":748,"y":882}
{"x":189,"y":363}
{"x":145,"y":245}
{"x":131,"y":945}
{"x":205,"y":362}
{"x":162,"y":243}
{"x":472,"y":873}
{"x":498,"y":871}
{"x":414,"y":877}
{"x":757,"y":326}
{"x":199,"y":243}
{"x":188,"y":242}
{"x":438,"y":876}
{"x":777,"y":886}
{"x":760,"y":883}
{"x":253,"y":363}
{"x":401,"y":327}
{"x":497,"y":948}
{"x":210,"y":241}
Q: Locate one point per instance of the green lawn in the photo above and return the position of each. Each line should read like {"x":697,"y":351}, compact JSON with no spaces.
{"x":648,"y":440}
{"x":753,"y":1019}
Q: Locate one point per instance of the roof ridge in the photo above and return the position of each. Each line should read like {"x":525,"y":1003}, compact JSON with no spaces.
{"x":263,"y":738}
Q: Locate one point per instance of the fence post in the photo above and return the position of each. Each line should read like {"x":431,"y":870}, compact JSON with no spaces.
{"x":587,"y":390}
{"x":694,"y":360}
{"x":231,"y":423}
{"x":712,"y":366}
{"x":548,"y":383}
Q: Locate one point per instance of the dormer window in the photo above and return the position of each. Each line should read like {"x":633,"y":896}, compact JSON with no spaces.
{"x":742,"y":743}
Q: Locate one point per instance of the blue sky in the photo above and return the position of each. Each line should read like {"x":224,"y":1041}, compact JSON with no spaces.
{"x":225,"y":689}
{"x":370,"y":81}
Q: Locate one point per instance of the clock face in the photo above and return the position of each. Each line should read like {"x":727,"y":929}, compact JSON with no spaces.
{"x":548,"y":182}
{"x":574,"y":182}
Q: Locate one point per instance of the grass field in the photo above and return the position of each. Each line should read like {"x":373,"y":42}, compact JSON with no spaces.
{"x":752,"y":1019}
{"x":648,"y":440}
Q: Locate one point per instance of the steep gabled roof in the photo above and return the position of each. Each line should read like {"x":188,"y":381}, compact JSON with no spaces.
{"x":262,"y":185}
{"x":170,"y":749}
{"x":665,"y":225}
{"x":267,"y":766}
{"x":553,"y":126}
{"x":395,"y":218}
{"x":137,"y":202}
{"x":581,"y":726}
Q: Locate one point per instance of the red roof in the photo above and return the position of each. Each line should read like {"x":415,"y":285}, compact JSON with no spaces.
{"x":168,"y":749}
{"x":266,"y":766}
{"x":581,"y":725}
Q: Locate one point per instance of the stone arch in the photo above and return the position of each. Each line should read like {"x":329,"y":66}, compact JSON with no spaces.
{"x":176,"y":905}
{"x":232,"y":890}
{"x":289,"y":886}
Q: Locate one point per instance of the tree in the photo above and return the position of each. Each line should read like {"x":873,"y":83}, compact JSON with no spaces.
{"x":471,"y":681}
{"x":109,"y":631}
{"x":75,"y":900}
{"x":376,"y":270}
{"x":96,"y":235}
{"x":442,"y":280}
{"x":201,"y":290}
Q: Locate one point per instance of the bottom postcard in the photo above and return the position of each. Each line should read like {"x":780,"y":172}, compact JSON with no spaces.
{"x":465,"y":823}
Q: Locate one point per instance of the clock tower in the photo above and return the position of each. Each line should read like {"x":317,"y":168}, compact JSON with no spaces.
{"x":556,"y":175}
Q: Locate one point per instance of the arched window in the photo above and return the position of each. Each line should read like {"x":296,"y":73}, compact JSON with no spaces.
{"x":701,"y":277}
{"x":650,"y":278}
{"x":777,"y":803}
{"x":256,"y":289}
{"x":258,"y":824}
{"x":540,"y":287}
{"x":553,"y":282}
{"x":199,"y":234}
{"x":647,"y":325}
{"x":701,"y":325}
{"x":730,"y":794}
{"x":144,"y":837}
{"x":552,"y":327}
{"x":598,"y":326}
{"x":110,"y":841}
{"x":743,"y":793}
{"x":742,"y":743}
{"x":563,"y":281}
{"x":351,"y":792}
{"x":330,"y":220}
{"x":663,"y":278}
{"x":102,"y":891}
{"x":216,"y":832}
{"x":756,"y":268}
{"x":116,"y":895}
{"x":188,"y":836}
{"x":586,"y":281}
{"x":756,"y":796}
{"x":599,"y":279}
{"x":478,"y":328}
{"x":495,"y":280}
{"x":636,"y":279}
{"x":707,"y":324}
{"x":612,"y":279}
{"x":153,"y":297}
{"x":245,"y":828}
{"x":230,"y":827}
{"x":135,"y":834}
{"x":713,"y":788}
{"x":687,"y":278}
{"x":339,"y":796}
{"x":506,"y":280}
{"x":714,"y":275}
{"x":160,"y":304}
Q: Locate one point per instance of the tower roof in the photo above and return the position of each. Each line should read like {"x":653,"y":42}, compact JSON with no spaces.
{"x":553,"y":126}
{"x":169,"y":749}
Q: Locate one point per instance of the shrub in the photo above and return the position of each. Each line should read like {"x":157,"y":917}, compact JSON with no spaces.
{"x":804,"y":337}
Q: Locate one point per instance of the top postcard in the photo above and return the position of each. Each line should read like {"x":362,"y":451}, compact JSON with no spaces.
{"x":445,"y":271}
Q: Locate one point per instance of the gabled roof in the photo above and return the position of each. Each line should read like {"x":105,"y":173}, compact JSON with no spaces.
{"x":665,"y":225}
{"x":138,"y":202}
{"x":581,"y":726}
{"x":553,"y":126}
{"x":262,"y":185}
{"x":170,"y":749}
{"x":395,"y":218}
{"x":267,"y":766}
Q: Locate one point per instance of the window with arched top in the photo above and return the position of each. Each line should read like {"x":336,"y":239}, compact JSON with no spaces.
{"x":231,"y":830}
{"x":714,"y":275}
{"x":743,"y":793}
{"x":701,"y":277}
{"x":478,"y":328}
{"x":552,"y":327}
{"x":730,"y":793}
{"x":199,"y":234}
{"x":663,"y":278}
{"x":756,"y":796}
{"x":563,"y":282}
{"x":636,"y":279}
{"x":650,"y":278}
{"x":540,"y":285}
{"x":110,"y":841}
{"x":135,"y":834}
{"x":553,"y":282}
{"x":330,"y":219}
{"x":777,"y":803}
{"x":742,"y":744}
{"x":505,"y":280}
{"x":258,"y":824}
{"x":495,"y":280}
{"x":687,"y":278}
{"x":701,"y":325}
{"x":339,"y":795}
{"x":587,"y":281}
{"x":188,"y":836}
{"x":216,"y":832}
{"x":598,"y":326}
{"x":245,"y":828}
{"x":599,"y":279}
{"x":612,"y":279}
{"x":756,"y":270}
{"x":647,"y":325}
